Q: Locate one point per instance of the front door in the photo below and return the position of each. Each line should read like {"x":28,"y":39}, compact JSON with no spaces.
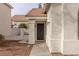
{"x":40,"y":31}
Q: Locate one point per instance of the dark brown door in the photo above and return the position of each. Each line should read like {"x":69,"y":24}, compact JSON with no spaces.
{"x":40,"y":31}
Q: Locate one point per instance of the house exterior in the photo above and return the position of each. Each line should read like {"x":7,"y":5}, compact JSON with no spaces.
{"x":16,"y":20}
{"x":62,"y":34}
{"x":58,"y":25}
{"x":37,"y":25}
{"x":5,"y":16}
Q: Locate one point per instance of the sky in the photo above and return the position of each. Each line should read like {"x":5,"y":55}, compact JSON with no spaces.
{"x":22,"y":8}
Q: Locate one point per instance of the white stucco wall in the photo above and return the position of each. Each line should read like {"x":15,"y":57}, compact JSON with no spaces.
{"x":5,"y":19}
{"x":62,"y":29}
{"x":71,"y":42}
{"x":31,"y":32}
{"x":54,"y":28}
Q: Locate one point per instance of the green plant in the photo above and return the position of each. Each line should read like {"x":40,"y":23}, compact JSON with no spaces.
{"x":23,"y":25}
{"x":1,"y":37}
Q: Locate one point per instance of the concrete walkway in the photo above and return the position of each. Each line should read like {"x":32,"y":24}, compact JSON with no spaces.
{"x":40,"y":49}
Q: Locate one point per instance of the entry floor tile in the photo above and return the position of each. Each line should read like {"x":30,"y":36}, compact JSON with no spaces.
{"x":40,"y":49}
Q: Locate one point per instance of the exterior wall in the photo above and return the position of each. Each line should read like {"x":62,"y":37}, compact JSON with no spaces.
{"x":32,"y":32}
{"x":54,"y":28}
{"x":20,"y":33}
{"x":71,"y":41}
{"x":5,"y":17}
{"x":62,"y":29}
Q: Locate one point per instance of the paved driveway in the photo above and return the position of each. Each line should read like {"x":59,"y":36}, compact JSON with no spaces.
{"x":40,"y":49}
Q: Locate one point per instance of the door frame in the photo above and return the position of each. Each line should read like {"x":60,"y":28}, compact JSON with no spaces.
{"x":41,"y":22}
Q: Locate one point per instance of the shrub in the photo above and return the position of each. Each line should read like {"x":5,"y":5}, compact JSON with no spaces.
{"x":1,"y":37}
{"x":22,"y":25}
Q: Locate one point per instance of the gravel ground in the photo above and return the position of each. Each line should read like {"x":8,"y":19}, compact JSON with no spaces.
{"x":12,"y":48}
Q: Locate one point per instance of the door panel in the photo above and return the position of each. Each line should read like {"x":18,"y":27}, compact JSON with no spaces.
{"x":40,"y":31}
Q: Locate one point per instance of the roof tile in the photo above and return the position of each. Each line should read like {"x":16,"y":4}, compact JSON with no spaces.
{"x":36,"y":12}
{"x":19,"y":18}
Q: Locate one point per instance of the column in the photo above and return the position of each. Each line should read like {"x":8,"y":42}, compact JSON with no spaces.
{"x":32,"y":32}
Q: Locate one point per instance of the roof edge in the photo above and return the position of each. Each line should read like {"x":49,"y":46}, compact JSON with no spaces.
{"x":7,"y":4}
